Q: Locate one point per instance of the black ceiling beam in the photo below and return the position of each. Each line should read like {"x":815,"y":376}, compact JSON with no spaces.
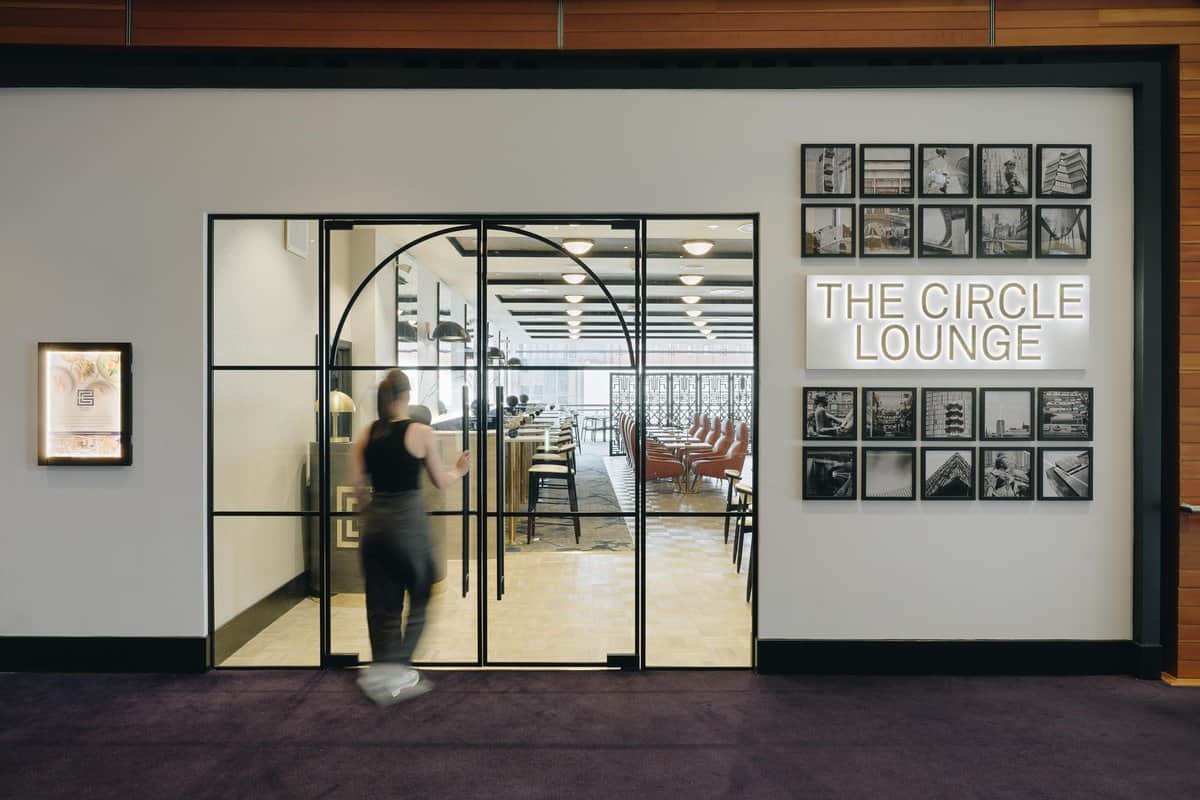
{"x":745,"y":301}
{"x":557,"y":280}
{"x":721,"y":251}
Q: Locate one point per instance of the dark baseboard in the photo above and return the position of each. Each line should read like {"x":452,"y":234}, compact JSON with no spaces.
{"x":965,"y":657}
{"x":229,"y":638}
{"x":103,"y":654}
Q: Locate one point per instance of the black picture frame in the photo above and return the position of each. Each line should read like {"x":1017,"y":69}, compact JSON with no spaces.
{"x":849,"y":436}
{"x":912,"y":414}
{"x":969,"y":191}
{"x":806,"y":191}
{"x":125,"y":459}
{"x":804,"y":246}
{"x":1041,"y":483}
{"x":1041,"y":412}
{"x":972,"y":472}
{"x":1037,"y":241}
{"x":980,"y":245}
{"x":980,"y":487}
{"x":987,"y":436}
{"x":862,"y":230}
{"x":862,"y":172}
{"x":967,"y":213}
{"x":969,"y":433}
{"x":1041,"y":151}
{"x":807,"y":489}
{"x":981,"y":183}
{"x":912,"y":473}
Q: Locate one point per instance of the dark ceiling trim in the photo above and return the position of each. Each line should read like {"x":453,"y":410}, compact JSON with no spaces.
{"x":556,"y":280}
{"x":469,"y":251}
{"x":508,"y":298}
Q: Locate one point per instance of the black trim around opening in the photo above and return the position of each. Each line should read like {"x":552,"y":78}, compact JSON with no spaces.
{"x":1148,"y":72}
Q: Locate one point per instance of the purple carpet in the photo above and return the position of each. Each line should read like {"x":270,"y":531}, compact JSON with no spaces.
{"x":680,"y":735}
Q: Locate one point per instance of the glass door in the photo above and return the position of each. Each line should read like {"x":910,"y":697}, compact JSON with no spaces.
{"x":401,"y":296}
{"x":562,"y":553}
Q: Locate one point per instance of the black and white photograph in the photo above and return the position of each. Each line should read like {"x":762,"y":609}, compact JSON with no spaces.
{"x":947,"y":415}
{"x":885,"y":170}
{"x":947,"y":473}
{"x":1064,"y":473}
{"x":945,"y":170}
{"x":889,"y":473}
{"x":1006,"y":414}
{"x":828,"y":230}
{"x":828,"y":170}
{"x":1006,"y":473}
{"x":830,"y":413}
{"x":1064,"y":170}
{"x":1064,"y":232}
{"x":945,"y":232}
{"x":1004,"y":232}
{"x":1004,"y":171}
{"x":830,"y":473}
{"x":1065,"y":415}
{"x":889,"y":414}
{"x":885,"y":231}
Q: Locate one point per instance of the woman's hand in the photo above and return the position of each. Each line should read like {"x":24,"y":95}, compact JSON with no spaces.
{"x":463,"y":465}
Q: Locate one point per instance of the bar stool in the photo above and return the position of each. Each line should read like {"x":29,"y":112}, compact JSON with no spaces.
{"x":539,"y":475}
{"x":731,"y":477}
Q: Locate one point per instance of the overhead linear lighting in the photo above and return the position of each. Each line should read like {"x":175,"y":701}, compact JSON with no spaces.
{"x":573,"y":298}
{"x":532,"y":290}
{"x":697,"y":247}
{"x":578,"y":247}
{"x":574,"y":278}
{"x":746,"y":227}
{"x":690,"y":299}
{"x":712,"y":226}
{"x":574,"y":312}
{"x":693,"y":312}
{"x":728,"y":292}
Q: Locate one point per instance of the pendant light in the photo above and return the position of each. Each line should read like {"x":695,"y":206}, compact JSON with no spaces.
{"x":574,"y":278}
{"x":693,"y":312}
{"x":690,"y":279}
{"x":578,"y":247}
{"x":514,"y":362}
{"x":574,"y":312}
{"x":448,"y":331}
{"x":406,"y":331}
{"x":691,"y":299}
{"x":578,"y":298}
{"x":698,"y":247}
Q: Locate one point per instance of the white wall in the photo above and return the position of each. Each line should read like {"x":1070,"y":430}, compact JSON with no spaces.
{"x":102,"y":217}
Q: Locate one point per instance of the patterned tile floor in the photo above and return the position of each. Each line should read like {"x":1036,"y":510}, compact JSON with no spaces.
{"x":567,"y":605}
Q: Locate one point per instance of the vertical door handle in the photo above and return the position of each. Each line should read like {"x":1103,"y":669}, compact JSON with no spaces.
{"x":466,"y":497}
{"x":500,"y":446}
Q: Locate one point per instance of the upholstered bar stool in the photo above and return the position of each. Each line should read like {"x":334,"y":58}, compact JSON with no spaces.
{"x":544,"y":475}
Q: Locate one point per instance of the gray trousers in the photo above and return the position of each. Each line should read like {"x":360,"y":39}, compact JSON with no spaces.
{"x":397,"y":556}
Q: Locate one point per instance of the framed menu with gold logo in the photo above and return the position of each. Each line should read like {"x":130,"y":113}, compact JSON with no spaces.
{"x":84,"y":403}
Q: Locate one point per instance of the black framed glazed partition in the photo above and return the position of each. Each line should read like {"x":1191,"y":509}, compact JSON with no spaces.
{"x":1145,"y":71}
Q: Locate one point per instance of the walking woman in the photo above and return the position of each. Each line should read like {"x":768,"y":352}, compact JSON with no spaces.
{"x":397,"y":544}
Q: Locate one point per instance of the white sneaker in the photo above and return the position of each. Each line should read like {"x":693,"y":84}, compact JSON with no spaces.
{"x":385,"y":684}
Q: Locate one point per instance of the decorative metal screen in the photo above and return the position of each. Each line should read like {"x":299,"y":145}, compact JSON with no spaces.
{"x":658,"y":395}
{"x":743,"y":396}
{"x":685,"y":402}
{"x":714,"y":394}
{"x":622,"y":399}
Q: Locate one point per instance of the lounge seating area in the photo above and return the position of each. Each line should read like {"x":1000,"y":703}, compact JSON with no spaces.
{"x":705,"y":450}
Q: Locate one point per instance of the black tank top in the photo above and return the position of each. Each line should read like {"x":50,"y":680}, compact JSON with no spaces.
{"x":391,"y":467}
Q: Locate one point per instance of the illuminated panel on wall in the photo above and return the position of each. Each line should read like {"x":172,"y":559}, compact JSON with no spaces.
{"x":948,"y":322}
{"x":84,"y":406}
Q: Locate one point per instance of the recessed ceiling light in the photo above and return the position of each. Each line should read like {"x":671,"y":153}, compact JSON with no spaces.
{"x":573,"y":336}
{"x":690,"y":279}
{"x":711,"y":336}
{"x":577,"y":247}
{"x":691,"y":298}
{"x":746,"y":227}
{"x":574,"y":278}
{"x":727,"y":292}
{"x":573,"y":323}
{"x":698,"y":247}
{"x":700,"y":323}
{"x":712,"y":226}
{"x":574,"y":312}
{"x":573,"y":298}
{"x":693,"y":312}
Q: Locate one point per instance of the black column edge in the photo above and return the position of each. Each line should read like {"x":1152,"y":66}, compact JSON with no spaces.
{"x":103,"y":654}
{"x":958,"y":657}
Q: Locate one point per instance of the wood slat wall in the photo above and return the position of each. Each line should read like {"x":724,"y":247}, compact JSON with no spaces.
{"x":714,"y":24}
{"x":89,"y":22}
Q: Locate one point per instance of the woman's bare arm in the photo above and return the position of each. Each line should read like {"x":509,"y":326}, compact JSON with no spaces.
{"x":439,"y":476}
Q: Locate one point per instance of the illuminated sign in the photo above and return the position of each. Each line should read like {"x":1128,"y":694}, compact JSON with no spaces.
{"x":947,"y":321}
{"x":84,"y":406}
